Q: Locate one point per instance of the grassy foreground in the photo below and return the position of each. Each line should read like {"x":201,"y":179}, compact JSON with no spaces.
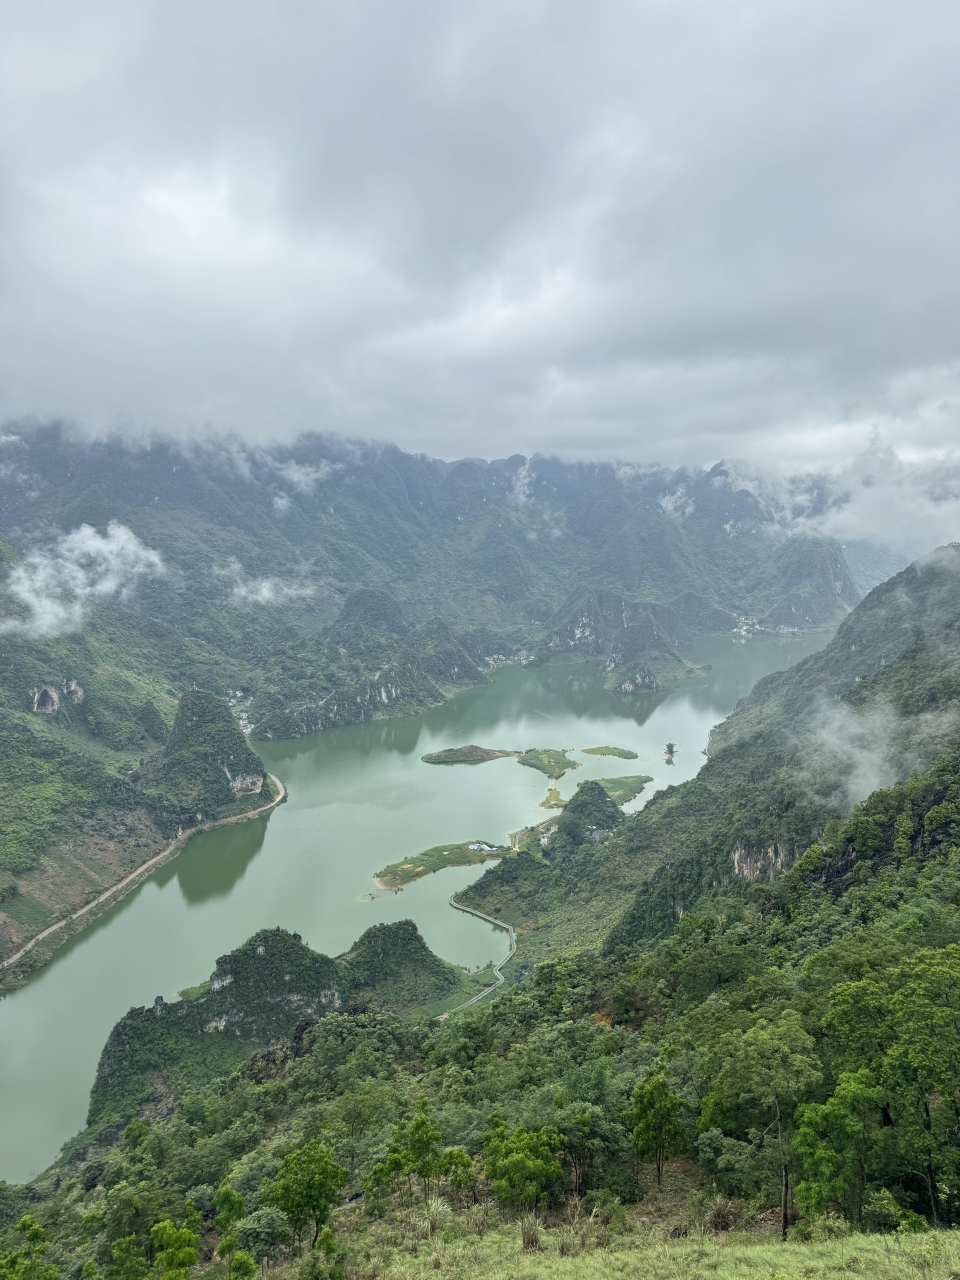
{"x":472,"y":1242}
{"x":648,"y":1255}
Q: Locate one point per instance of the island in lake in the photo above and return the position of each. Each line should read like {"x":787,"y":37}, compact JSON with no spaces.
{"x":623,"y":790}
{"x":471,"y":754}
{"x":622,"y":752}
{"x":399,"y":874}
{"x":620,"y":790}
{"x":553,"y":763}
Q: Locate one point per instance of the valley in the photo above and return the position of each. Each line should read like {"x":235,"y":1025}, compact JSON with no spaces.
{"x":310,"y":866}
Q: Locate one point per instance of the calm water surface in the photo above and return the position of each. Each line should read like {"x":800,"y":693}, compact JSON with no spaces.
{"x":359,"y":798}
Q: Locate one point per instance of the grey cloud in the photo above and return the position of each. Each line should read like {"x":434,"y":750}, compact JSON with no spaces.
{"x":624,"y":230}
{"x":55,"y":585}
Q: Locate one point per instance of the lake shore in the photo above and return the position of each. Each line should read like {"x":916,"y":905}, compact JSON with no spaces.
{"x":69,"y":926}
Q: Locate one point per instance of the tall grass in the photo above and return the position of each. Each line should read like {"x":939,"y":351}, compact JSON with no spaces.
{"x":735,"y":1256}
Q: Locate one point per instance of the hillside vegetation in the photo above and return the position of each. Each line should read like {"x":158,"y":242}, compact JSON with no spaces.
{"x":320,"y":585}
{"x":878,"y":702}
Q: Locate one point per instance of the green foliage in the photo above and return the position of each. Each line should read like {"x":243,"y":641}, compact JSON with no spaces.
{"x":27,"y":1262}
{"x":654,"y":1120}
{"x":262,"y":1233}
{"x":308,"y":1184}
{"x":175,"y":1250}
{"x":521,"y":1163}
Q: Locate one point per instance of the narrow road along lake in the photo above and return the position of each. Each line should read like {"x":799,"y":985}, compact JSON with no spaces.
{"x":360,"y":798}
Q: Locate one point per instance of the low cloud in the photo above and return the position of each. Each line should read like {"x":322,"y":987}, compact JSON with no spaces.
{"x":302,"y":476}
{"x":249,"y":591}
{"x":56,"y":585}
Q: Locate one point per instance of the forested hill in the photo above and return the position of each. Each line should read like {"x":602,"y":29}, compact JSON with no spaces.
{"x":878,"y":703}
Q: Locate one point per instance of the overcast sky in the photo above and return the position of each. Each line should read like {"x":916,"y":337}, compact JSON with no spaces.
{"x":660,"y":231}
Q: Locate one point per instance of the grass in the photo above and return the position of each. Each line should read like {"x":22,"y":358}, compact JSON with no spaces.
{"x":471,"y":754}
{"x":27,"y":911}
{"x":622,"y":790}
{"x":553,"y":800}
{"x":553,"y":763}
{"x":646,"y":1255}
{"x":471,"y":985}
{"x":622,"y":752}
{"x":467,"y":1241}
{"x":399,"y":874}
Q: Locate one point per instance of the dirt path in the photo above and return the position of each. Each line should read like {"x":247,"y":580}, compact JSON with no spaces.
{"x":127,"y":881}
{"x":496,"y":968}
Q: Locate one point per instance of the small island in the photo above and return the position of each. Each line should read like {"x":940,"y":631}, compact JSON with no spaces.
{"x":623,"y":790}
{"x":553,"y":800}
{"x":399,"y":874}
{"x":471,"y":754}
{"x":622,"y":752}
{"x":553,"y":763}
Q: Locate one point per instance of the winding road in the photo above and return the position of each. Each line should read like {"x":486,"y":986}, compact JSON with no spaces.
{"x":128,"y":881}
{"x":497,"y":967}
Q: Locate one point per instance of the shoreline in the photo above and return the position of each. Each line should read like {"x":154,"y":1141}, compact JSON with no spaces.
{"x":499,"y":979}
{"x":130,"y":881}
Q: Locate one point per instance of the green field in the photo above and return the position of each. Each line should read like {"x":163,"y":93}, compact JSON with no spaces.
{"x":471,"y":754}
{"x":442,"y":855}
{"x":553,"y":800}
{"x":553,"y":763}
{"x":622,"y":752}
{"x":623,"y":790}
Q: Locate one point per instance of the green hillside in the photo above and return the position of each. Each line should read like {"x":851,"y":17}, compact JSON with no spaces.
{"x":782,"y":1061}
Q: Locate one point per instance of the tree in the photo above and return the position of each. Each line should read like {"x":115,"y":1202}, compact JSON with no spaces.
{"x":176,"y":1250}
{"x":262,"y":1232}
{"x":231,"y":1207}
{"x":414,"y":1149}
{"x":135,"y":1133}
{"x":243,"y":1265}
{"x":833,"y":1140}
{"x":771,"y":1066}
{"x":127,"y":1260}
{"x":309,"y":1182}
{"x":456,"y":1165}
{"x":26,"y":1263}
{"x":654,"y":1120}
{"x":423,"y":1146}
{"x":522,"y":1163}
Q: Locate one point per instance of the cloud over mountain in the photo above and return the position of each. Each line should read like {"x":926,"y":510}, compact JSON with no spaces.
{"x":55,"y":585}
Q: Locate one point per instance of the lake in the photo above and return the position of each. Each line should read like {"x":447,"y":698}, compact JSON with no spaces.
{"x":359,"y":798}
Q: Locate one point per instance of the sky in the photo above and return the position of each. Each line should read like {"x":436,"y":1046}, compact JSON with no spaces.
{"x":658,"y":231}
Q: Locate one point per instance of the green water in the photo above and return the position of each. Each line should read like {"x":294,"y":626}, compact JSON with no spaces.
{"x":359,"y":798}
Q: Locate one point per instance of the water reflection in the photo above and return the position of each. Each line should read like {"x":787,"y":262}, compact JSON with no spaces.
{"x":211,"y":870}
